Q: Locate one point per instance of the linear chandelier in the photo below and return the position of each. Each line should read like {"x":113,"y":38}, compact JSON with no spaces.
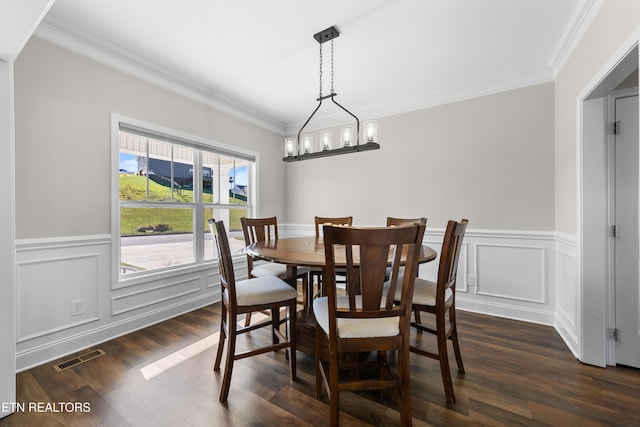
{"x":302,"y":147}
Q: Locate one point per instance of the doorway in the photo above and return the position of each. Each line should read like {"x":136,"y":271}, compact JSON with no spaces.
{"x":609,"y":197}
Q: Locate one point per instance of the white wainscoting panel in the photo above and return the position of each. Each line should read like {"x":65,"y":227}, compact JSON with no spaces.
{"x":53,"y":272}
{"x":148,"y":296}
{"x":513,"y":275}
{"x":511,"y":272}
{"x":567,"y":321}
{"x":47,"y":288}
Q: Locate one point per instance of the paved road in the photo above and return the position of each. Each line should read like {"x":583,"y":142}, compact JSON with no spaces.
{"x":165,"y":250}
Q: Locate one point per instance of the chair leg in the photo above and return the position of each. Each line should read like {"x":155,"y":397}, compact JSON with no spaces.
{"x":228,"y":368}
{"x":221,"y":340}
{"x":318,"y":354}
{"x":275,"y":324}
{"x":333,"y":392}
{"x":293,"y":339}
{"x":454,"y":340}
{"x":247,"y":319}
{"x":305,"y":292}
{"x":404,"y":371}
{"x":305,"y":285}
{"x":444,"y":358}
{"x":416,"y":315}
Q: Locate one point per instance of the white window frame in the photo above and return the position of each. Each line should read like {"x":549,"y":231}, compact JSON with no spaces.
{"x":117,"y":123}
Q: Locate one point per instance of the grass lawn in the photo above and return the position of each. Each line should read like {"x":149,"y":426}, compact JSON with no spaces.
{"x":179,"y":220}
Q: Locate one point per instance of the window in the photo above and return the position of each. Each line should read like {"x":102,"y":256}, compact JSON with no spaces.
{"x":169,"y":186}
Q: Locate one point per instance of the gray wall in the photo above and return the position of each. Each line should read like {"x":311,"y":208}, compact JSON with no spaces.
{"x":489,"y":159}
{"x":614,"y":24}
{"x":62,"y":118}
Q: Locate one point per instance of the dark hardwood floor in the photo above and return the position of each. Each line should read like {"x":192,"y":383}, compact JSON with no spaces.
{"x":516,"y":374}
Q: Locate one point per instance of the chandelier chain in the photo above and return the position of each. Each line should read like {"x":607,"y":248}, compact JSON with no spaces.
{"x":320,"y":70}
{"x":331,"y":66}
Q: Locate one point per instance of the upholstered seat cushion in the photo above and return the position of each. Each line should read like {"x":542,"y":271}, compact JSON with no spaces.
{"x":274,"y":269}
{"x":263,"y":290}
{"x":424,"y":292}
{"x":354,"y":328}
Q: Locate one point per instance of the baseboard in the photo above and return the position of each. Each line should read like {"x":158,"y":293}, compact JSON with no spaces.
{"x":507,"y":311}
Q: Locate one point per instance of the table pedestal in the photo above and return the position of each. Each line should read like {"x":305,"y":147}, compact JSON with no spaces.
{"x":306,"y":334}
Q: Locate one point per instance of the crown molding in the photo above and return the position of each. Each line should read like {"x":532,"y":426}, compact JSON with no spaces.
{"x":110,"y":54}
{"x":495,"y":84}
{"x":581,"y":16}
{"x":103,"y":51}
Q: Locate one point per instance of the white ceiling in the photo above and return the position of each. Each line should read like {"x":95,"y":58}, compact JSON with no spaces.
{"x":258,"y":58}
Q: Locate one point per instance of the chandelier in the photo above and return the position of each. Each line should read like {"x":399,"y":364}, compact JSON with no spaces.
{"x":302,"y":147}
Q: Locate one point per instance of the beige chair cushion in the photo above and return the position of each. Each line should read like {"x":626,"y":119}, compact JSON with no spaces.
{"x":424,"y":292}
{"x":274,"y":269}
{"x":263,"y":290}
{"x":355,"y":328}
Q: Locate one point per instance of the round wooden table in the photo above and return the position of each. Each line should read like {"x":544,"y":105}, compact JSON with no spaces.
{"x":306,"y":252}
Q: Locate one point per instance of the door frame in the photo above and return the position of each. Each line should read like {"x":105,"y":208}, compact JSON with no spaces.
{"x":595,"y":288}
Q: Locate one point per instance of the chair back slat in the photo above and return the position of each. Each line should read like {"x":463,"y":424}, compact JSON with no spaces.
{"x":373,"y":267}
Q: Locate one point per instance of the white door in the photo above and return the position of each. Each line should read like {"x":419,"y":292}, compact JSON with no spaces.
{"x":627,"y":219}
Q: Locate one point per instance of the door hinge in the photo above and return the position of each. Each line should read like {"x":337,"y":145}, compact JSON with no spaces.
{"x":613,"y":334}
{"x":614,"y":231}
{"x":615,"y":127}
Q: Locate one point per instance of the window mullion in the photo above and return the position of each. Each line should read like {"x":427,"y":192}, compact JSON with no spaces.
{"x":198,"y":212}
{"x":172,"y":172}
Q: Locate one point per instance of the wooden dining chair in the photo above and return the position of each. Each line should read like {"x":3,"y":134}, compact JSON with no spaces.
{"x":369,"y":321}
{"x":438,"y":299}
{"x":315,"y":274}
{"x":266,"y":229}
{"x":268,"y":293}
{"x":394,"y":222}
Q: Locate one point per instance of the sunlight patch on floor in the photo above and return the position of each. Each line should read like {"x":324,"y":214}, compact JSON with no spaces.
{"x":174,"y":359}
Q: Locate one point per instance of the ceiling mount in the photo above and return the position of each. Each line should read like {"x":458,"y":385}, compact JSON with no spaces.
{"x":326,"y":35}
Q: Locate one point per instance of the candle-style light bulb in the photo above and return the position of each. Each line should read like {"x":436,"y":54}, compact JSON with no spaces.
{"x":370,"y":131}
{"x":289,"y":146}
{"x":346,"y":137}
{"x":326,"y":141}
{"x":306,"y":144}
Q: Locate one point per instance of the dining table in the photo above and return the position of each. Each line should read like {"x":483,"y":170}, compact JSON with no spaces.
{"x":306,"y":251}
